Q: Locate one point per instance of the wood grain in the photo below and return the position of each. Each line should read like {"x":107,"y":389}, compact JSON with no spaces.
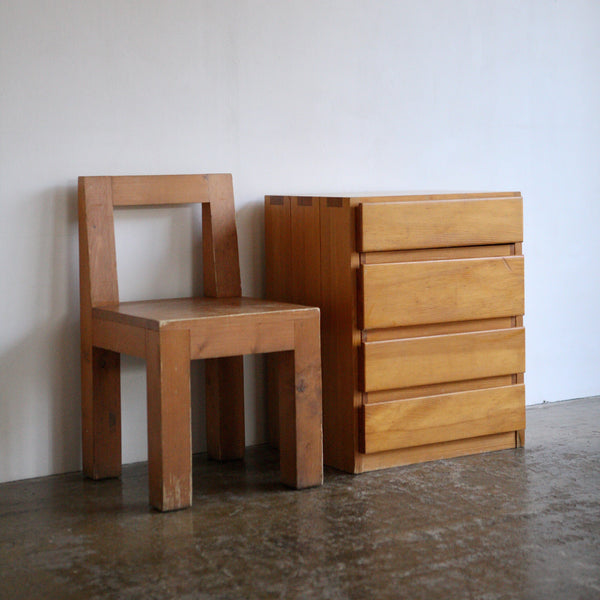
{"x":320,"y":264}
{"x":98,"y":257}
{"x":221,"y":261}
{"x":119,"y":337}
{"x":278,"y":286}
{"x":415,"y":293}
{"x":306,"y":251}
{"x":105,"y":419}
{"x":435,"y":359}
{"x":300,"y":408}
{"x":440,"y":223}
{"x":183,"y":313}
{"x":339,"y":335}
{"x":278,"y":248}
{"x":236,"y":336}
{"x":100,"y":371}
{"x":452,"y":449}
{"x":169,"y":419}
{"x":148,"y":190}
{"x":442,"y":418}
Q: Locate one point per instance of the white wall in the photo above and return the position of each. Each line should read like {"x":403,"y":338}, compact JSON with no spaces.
{"x":324,"y":96}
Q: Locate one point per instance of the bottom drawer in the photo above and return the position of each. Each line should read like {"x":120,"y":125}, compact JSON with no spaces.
{"x":433,"y":419}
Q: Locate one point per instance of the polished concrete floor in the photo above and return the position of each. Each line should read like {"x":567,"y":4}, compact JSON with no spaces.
{"x":513,"y":524}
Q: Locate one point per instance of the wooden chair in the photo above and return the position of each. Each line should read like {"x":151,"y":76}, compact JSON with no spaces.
{"x":220,"y":327}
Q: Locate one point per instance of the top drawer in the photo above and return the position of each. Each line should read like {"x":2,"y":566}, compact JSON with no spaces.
{"x":439,"y":223}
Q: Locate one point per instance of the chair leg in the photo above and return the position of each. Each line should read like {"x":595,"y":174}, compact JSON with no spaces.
{"x":169,"y":419}
{"x":300,"y":409}
{"x":101,"y":413}
{"x":272,"y":370}
{"x":225,"y":435}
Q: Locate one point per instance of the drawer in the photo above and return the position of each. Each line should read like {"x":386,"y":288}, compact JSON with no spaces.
{"x":429,"y":420}
{"x":439,"y":223}
{"x":411,"y":362}
{"x":415,"y":293}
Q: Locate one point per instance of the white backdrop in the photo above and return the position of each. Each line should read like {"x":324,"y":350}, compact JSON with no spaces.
{"x":310,"y":96}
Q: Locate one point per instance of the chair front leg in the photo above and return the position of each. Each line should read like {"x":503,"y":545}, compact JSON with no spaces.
{"x":300,"y":408}
{"x":169,"y":419}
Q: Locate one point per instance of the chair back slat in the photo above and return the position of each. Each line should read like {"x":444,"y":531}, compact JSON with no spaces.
{"x":148,"y":190}
{"x":98,"y":261}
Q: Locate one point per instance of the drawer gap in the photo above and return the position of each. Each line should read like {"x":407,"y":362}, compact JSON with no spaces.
{"x":390,"y":256}
{"x":437,"y":389}
{"x":411,"y":331}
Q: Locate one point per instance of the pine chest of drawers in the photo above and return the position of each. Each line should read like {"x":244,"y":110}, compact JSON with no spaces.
{"x":422,"y":301}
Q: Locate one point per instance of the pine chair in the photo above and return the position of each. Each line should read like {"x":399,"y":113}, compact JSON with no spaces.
{"x":220,"y":327}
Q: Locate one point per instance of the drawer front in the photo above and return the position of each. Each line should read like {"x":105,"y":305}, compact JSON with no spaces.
{"x":436,"y":359}
{"x":420,"y":421}
{"x":439,"y":223}
{"x":415,"y":293}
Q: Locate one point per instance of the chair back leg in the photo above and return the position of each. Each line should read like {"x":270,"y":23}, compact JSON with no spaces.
{"x":101,"y":413}
{"x":225,"y":431}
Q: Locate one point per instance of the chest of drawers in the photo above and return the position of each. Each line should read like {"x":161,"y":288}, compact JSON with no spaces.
{"x":422,"y":301}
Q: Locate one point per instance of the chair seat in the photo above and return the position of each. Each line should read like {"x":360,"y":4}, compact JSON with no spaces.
{"x":217,"y":327}
{"x":181,"y":313}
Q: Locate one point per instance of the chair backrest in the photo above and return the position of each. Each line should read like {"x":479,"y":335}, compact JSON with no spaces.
{"x":97,"y":254}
